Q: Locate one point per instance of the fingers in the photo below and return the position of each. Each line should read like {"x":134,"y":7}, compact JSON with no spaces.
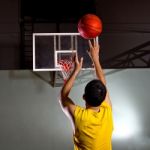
{"x":78,"y":64}
{"x":81,"y":61}
{"x":90,"y":44}
{"x":94,"y":41}
{"x":77,"y":59}
{"x":88,"y":52}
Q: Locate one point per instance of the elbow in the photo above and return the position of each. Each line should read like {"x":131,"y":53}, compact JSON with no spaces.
{"x":61,"y":99}
{"x":62,"y":96}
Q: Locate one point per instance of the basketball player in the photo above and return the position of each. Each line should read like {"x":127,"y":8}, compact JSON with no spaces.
{"x":92,"y":125}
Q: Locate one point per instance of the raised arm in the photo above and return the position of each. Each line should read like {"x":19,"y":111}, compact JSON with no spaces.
{"x":67,"y":104}
{"x":94,"y":54}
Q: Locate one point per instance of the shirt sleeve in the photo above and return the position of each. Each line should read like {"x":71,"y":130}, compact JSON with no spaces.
{"x":105,"y":104}
{"x":108,"y":108}
{"x":78,"y":111}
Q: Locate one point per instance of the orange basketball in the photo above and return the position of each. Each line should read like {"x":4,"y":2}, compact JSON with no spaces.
{"x":90,"y":26}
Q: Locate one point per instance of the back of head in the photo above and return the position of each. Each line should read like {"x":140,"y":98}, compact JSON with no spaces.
{"x":95,"y":93}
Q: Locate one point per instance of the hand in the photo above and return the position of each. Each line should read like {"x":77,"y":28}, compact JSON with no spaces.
{"x":78,"y":64}
{"x":94,"y":50}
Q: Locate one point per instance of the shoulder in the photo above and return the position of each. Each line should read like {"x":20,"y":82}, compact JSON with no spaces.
{"x":79,"y":111}
{"x":105,"y":105}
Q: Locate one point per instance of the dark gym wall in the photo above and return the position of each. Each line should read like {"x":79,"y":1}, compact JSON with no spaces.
{"x":126,"y":25}
{"x":9,"y":34}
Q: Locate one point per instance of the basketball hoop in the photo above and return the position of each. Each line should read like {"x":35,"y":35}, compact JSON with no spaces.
{"x":66,"y":67}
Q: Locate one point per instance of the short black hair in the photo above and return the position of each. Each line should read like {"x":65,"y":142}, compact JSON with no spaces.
{"x":95,"y":93}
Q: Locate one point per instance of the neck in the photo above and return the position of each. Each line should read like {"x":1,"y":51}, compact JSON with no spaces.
{"x":97,"y":109}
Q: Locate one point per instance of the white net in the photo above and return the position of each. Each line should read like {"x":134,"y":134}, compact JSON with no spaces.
{"x":66,"y":67}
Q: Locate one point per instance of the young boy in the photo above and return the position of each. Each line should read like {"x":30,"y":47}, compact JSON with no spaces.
{"x":92,"y":125}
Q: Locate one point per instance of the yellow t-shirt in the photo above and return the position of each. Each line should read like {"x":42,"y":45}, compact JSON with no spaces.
{"x":93,"y":130}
